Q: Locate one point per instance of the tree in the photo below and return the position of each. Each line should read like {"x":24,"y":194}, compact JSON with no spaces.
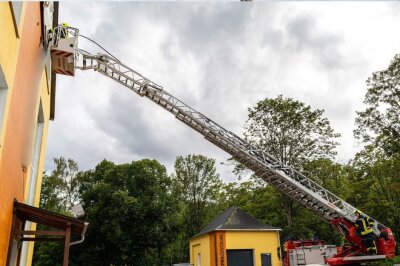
{"x":257,"y":199}
{"x":197,"y":186}
{"x":379,"y":123}
{"x":291,"y":132}
{"x":381,"y":175}
{"x":336,"y":178}
{"x":378,"y":164}
{"x":131,"y":212}
{"x":60,"y":189}
{"x":332,"y":176}
{"x":52,"y":187}
{"x":59,"y":193}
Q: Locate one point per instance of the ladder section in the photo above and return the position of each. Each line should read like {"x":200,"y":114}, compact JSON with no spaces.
{"x":284,"y":178}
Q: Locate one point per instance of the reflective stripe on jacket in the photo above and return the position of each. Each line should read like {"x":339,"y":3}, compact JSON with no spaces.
{"x":363,"y":226}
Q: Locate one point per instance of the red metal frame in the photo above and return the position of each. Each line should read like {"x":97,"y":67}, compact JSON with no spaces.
{"x":354,"y":249}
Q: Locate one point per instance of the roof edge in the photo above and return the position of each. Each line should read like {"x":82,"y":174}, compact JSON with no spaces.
{"x":248,"y":230}
{"x":237,"y":230}
{"x":53,"y":76}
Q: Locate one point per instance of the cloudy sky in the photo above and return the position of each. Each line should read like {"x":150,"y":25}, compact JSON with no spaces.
{"x":220,"y":58}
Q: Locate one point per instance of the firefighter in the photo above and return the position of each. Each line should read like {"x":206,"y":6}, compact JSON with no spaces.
{"x":64,"y":30}
{"x":61,"y":30}
{"x":364,"y":229}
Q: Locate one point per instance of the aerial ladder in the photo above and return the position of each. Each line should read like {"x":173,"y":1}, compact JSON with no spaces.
{"x":66,"y":57}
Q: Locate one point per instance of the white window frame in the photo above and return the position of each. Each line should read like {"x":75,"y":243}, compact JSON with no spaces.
{"x":198,"y":259}
{"x":3,"y":102}
{"x":34,"y":174}
{"x":37,"y":147}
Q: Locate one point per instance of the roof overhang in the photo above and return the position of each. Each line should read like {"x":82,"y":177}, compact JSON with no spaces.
{"x":236,"y":230}
{"x":250,"y":230}
{"x":51,"y":219}
{"x":53,"y":76}
{"x":63,"y":229}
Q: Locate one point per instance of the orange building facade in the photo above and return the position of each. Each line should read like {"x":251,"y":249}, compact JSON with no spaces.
{"x":27,"y":93}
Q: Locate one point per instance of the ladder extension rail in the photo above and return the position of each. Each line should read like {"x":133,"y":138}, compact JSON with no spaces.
{"x":284,"y":178}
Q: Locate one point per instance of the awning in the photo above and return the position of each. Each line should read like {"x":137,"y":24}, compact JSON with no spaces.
{"x":65,"y":227}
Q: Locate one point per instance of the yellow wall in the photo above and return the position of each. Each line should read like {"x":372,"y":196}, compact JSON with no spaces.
{"x":200,"y":245}
{"x":9,"y":46}
{"x":260,"y":242}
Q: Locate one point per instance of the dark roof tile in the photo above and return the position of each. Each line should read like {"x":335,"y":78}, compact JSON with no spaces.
{"x":235,"y":219}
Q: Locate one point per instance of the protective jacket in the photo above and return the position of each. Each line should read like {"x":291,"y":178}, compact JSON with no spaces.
{"x":364,"y":225}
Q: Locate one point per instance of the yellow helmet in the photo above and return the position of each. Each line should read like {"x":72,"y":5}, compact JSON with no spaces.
{"x":65,"y":24}
{"x":359,"y":212}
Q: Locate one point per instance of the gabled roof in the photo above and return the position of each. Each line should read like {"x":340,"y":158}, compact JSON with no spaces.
{"x":234,"y":219}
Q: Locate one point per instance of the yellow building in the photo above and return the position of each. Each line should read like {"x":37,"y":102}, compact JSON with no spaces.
{"x":235,"y":238}
{"x":27,"y":103}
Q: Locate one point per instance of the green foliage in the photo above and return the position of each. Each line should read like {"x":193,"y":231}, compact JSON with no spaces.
{"x":197,"y":186}
{"x":290,"y":131}
{"x":258,"y":200}
{"x":48,"y":254}
{"x":330,"y":175}
{"x":377,"y":166}
{"x":131,"y":212}
{"x":379,"y":123}
{"x":294,"y":134}
{"x":382,"y":176}
{"x":59,"y":192}
{"x":50,"y":198}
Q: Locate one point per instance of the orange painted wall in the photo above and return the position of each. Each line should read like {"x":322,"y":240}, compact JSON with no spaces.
{"x":22,"y":117}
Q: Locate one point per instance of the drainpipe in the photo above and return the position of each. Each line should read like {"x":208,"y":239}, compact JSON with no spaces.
{"x":82,"y":235}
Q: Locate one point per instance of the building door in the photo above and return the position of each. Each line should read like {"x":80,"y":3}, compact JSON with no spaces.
{"x":266,"y":259}
{"x":196,"y":249}
{"x":240,"y":257}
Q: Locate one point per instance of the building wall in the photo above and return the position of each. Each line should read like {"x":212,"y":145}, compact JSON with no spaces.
{"x":9,"y":46}
{"x":260,"y":242}
{"x":213,"y":246}
{"x":45,"y":103}
{"x":200,"y":245}
{"x":22,"y":59}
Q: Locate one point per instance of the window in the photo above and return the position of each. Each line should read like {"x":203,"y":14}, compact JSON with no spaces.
{"x":198,"y":259}
{"x":37,"y":143}
{"x":3,"y":100}
{"x":16,"y":8}
{"x":30,"y":199}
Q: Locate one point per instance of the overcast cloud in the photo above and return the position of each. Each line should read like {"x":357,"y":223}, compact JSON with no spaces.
{"x":220,"y":58}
